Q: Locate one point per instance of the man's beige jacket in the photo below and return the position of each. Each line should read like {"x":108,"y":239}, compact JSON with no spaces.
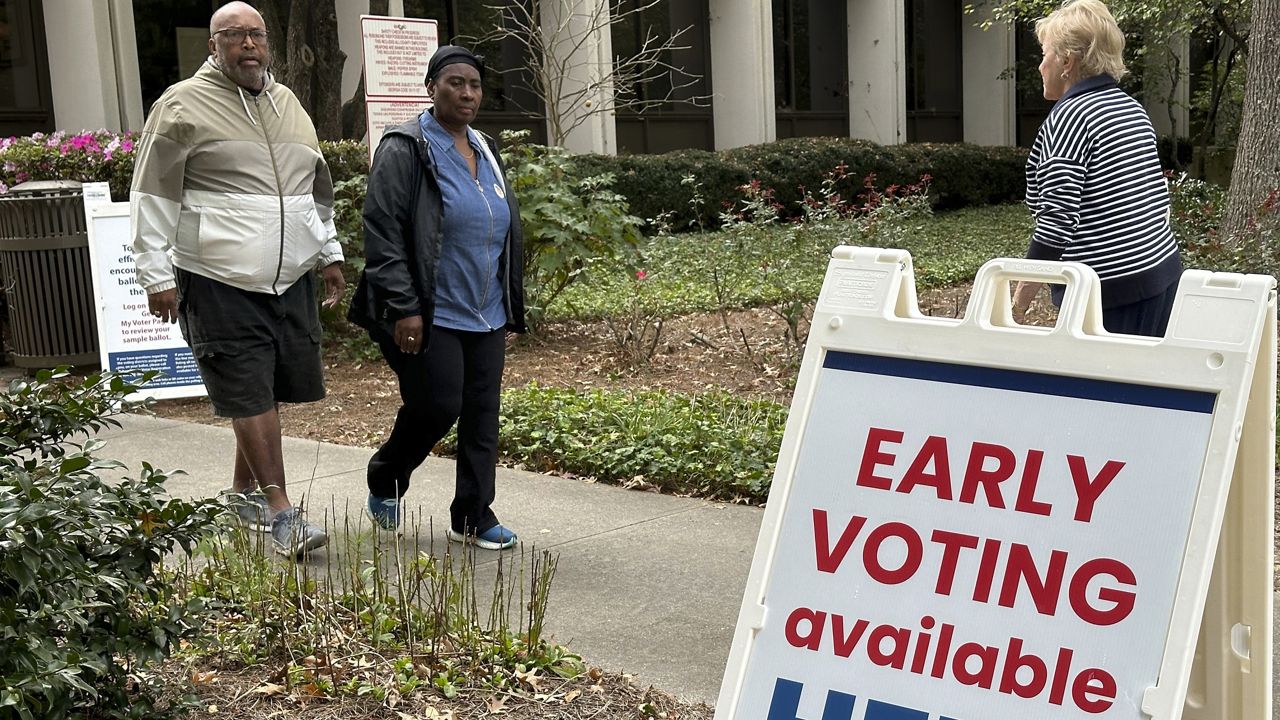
{"x":231,"y":186}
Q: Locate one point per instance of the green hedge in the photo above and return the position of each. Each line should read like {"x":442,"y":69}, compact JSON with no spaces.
{"x":962,"y":175}
{"x":346,"y":158}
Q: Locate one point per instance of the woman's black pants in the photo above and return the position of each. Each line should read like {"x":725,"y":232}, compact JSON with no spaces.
{"x":458,"y":378}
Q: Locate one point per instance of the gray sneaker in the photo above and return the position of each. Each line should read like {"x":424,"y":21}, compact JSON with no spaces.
{"x":250,"y":508}
{"x":293,"y":536}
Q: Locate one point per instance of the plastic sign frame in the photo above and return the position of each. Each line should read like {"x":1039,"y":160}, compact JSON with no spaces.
{"x":1220,"y":346}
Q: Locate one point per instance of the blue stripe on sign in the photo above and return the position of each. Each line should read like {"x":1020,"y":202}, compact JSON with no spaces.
{"x":877,"y":710}
{"x":1023,"y":381}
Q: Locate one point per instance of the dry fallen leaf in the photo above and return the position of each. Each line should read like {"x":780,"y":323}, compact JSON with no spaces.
{"x":496,"y":705}
{"x":270,"y":689}
{"x":204,"y":678}
{"x":531,"y":679}
{"x":571,"y":696}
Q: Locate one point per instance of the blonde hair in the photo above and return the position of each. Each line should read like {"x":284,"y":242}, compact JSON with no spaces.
{"x":1085,"y":30}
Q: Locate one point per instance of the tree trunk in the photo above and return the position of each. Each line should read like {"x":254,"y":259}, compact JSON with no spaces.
{"x":1257,"y":167}
{"x":306,"y":58}
{"x":300,"y":59}
{"x":327,"y":73}
{"x":275,"y":15}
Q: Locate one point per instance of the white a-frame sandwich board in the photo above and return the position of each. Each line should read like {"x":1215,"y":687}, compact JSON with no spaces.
{"x":977,"y":520}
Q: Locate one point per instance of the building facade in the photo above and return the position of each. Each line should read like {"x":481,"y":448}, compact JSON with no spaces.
{"x":889,"y":71}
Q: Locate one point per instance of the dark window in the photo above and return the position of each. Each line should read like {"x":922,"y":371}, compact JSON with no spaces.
{"x":810,"y":67}
{"x":509,"y":103}
{"x":172,"y":37}
{"x":26,"y":105}
{"x":1032,"y":107}
{"x":676,"y":123}
{"x":934,"y":71}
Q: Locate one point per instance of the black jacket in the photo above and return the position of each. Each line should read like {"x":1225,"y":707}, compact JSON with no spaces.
{"x":403,"y":220}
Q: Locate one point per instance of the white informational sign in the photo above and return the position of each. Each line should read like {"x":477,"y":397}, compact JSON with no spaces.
{"x":129,"y":338}
{"x":386,"y":113}
{"x":972,"y":519}
{"x":396,"y":52}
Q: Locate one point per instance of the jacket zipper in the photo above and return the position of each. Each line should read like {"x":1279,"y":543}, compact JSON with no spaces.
{"x":275,"y":170}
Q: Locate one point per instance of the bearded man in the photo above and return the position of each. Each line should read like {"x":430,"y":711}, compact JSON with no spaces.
{"x":232,"y":211}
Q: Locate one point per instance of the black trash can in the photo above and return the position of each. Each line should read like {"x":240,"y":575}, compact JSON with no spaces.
{"x":46,"y":276}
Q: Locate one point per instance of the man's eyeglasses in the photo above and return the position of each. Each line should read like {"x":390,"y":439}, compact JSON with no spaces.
{"x":236,"y":35}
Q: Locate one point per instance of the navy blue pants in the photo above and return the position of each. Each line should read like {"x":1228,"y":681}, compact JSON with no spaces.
{"x":1145,"y":317}
{"x":458,"y":378}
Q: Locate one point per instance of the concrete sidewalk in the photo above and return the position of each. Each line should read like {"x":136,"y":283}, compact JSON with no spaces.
{"x":646,"y":584}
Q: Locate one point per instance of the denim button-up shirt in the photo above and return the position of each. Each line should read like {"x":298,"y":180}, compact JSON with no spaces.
{"x":476,"y":221}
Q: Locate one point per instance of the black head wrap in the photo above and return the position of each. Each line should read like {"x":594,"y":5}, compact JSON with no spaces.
{"x":450,"y":54}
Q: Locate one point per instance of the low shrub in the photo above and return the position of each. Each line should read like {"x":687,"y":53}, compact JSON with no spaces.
{"x":346,"y":159}
{"x":715,"y":445}
{"x":84,"y":601}
{"x":570,"y":220}
{"x":962,"y":175}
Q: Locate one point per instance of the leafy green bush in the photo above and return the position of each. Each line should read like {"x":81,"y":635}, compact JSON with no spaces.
{"x":100,"y":156}
{"x":346,"y":158}
{"x":83,"y":601}
{"x":570,"y":220}
{"x":963,"y":175}
{"x":715,"y":445}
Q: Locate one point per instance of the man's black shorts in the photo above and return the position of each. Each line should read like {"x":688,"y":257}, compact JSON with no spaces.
{"x":253,"y":349}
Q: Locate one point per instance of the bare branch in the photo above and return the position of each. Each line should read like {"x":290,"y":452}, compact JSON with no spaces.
{"x":572,"y":85}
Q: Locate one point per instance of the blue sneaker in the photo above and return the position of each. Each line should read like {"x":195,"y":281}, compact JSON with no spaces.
{"x":495,"y":538}
{"x":384,"y":512}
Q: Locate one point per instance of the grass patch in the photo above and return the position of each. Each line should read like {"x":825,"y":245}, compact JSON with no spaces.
{"x":734,"y":268}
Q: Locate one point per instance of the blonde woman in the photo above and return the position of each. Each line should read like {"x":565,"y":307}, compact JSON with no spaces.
{"x":1094,"y":182}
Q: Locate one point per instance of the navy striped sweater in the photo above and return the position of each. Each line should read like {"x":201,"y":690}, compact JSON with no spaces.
{"x":1097,"y":192}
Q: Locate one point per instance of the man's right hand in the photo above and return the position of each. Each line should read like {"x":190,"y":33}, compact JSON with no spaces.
{"x":164,"y":305}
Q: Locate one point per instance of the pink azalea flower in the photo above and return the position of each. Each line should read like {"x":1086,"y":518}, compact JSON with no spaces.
{"x":641,"y":275}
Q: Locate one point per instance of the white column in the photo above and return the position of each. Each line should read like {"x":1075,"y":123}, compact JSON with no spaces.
{"x":576,"y":35}
{"x":742,"y":72}
{"x":94,"y":79}
{"x":990,"y":103}
{"x":128,"y":76}
{"x":877,"y":71}
{"x":349,"y":39}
